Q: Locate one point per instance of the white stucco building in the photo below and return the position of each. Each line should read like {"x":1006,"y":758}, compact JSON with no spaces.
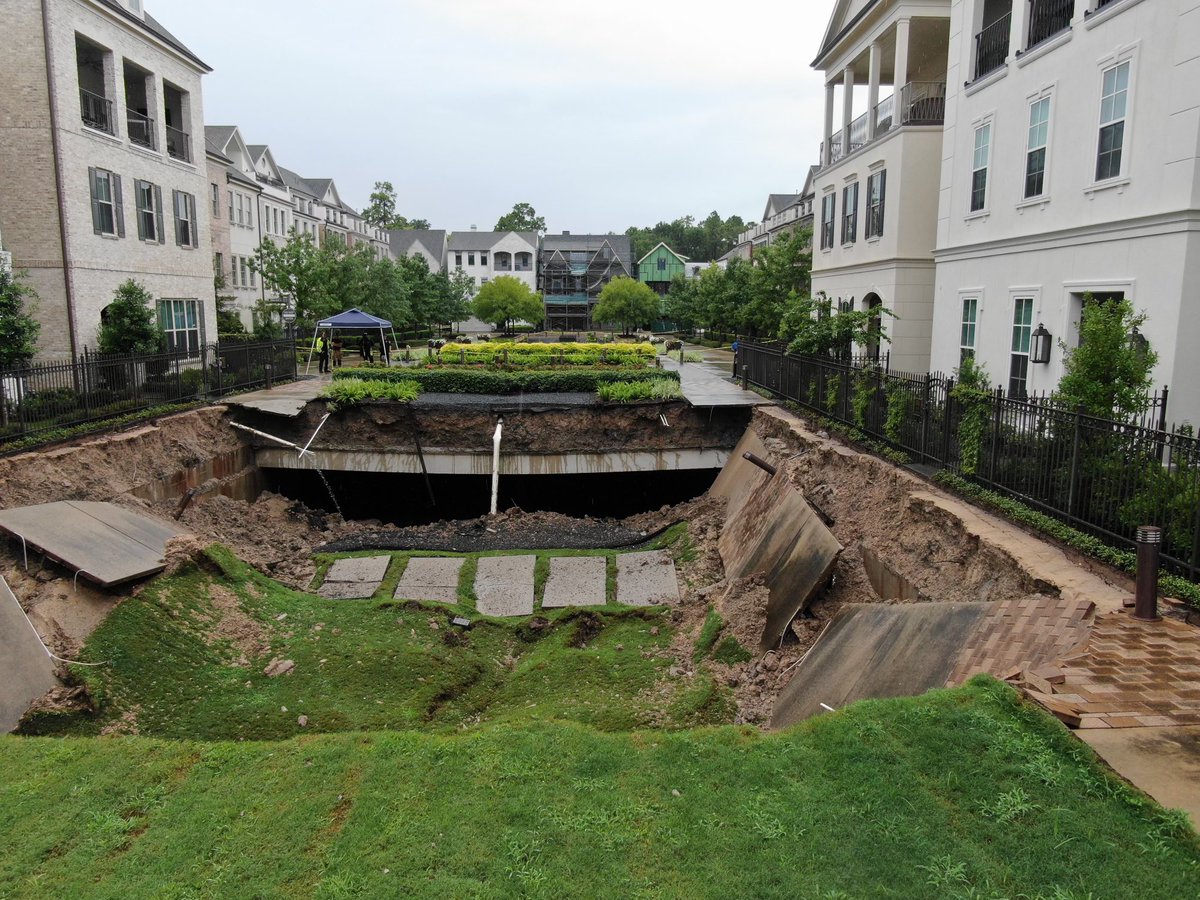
{"x":876,"y":189}
{"x":1071,"y":152}
{"x":101,"y":124}
{"x":485,"y":255}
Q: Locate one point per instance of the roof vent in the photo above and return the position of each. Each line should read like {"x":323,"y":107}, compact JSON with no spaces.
{"x":566,"y":234}
{"x":473,"y":228}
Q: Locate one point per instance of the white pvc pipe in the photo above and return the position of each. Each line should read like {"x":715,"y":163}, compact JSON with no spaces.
{"x":496,"y":463}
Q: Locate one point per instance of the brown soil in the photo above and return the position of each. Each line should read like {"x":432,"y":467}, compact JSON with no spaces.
{"x":227,"y":621}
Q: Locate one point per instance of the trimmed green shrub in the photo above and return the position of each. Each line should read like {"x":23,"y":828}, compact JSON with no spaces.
{"x":445,"y":380}
{"x":349,"y":392}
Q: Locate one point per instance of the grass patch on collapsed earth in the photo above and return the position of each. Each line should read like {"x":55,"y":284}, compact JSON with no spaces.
{"x":961,"y":793}
{"x":372,"y":665}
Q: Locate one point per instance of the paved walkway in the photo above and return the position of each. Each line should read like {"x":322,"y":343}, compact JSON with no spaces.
{"x":706,"y":384}
{"x":286,"y":399}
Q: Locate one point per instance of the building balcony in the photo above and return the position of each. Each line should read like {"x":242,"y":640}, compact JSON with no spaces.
{"x":141,"y":130}
{"x":1047,"y":18}
{"x":991,"y":46}
{"x":96,"y":112}
{"x":919,"y":103}
{"x":179,"y":144}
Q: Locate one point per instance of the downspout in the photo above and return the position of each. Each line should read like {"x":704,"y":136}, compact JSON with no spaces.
{"x":496,"y":463}
{"x":68,"y":269}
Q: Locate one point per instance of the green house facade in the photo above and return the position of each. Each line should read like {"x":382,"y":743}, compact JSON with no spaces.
{"x":659,"y":266}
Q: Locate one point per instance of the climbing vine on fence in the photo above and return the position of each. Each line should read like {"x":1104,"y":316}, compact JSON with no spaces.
{"x":974,"y":396}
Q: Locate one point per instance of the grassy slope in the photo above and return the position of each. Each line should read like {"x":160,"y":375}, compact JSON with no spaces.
{"x":373,"y":665}
{"x":955,"y":793}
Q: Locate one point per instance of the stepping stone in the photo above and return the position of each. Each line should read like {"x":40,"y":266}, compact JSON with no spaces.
{"x":349,"y":590}
{"x":575,"y":581}
{"x":646,"y":579}
{"x":430,"y":578}
{"x":504,"y":585}
{"x":362,"y":568}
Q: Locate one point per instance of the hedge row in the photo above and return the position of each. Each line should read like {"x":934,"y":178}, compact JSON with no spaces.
{"x":549,"y":354}
{"x":1172,"y":585}
{"x":489,"y":381}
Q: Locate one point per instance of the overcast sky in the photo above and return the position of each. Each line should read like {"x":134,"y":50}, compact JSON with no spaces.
{"x":602,"y":116}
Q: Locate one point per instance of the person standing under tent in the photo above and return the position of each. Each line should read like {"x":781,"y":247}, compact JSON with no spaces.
{"x":322,"y":354}
{"x":337,"y":350}
{"x":365,"y":346}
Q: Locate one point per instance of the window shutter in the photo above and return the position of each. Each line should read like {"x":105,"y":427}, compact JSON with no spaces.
{"x":138,"y":187}
{"x":882,"y":199}
{"x":118,"y":204}
{"x":158,"y":214}
{"x":193,"y":232}
{"x":175,"y":213}
{"x":95,"y":200}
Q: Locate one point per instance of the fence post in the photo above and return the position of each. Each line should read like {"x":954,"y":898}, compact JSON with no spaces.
{"x":926,"y":387}
{"x":997,"y":403}
{"x":85,"y":380}
{"x":948,"y":424}
{"x":1073,"y":484}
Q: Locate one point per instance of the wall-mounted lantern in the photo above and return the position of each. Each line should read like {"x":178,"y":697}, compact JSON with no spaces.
{"x":1039,"y":347}
{"x":1138,"y":343}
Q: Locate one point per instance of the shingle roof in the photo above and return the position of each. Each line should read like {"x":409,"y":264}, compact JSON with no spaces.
{"x":296,"y":183}
{"x":155,"y":27}
{"x":485,"y":240}
{"x":219,"y":134}
{"x":620,"y":243}
{"x":238,"y":175}
{"x":778,"y":203}
{"x":432,"y":241}
{"x":213,"y":148}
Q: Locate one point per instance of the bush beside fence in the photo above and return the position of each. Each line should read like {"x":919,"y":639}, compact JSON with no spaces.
{"x":1102,"y":476}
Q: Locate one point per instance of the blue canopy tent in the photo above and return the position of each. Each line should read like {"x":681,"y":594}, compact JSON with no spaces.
{"x":350,"y":320}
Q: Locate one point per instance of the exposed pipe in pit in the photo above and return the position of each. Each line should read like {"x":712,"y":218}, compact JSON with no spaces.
{"x":496,"y":463}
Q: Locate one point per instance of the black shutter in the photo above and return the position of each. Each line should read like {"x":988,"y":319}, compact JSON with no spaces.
{"x":193,"y":237}
{"x":175,"y":214}
{"x":158,"y":214}
{"x":95,"y":200}
{"x":882,"y":199}
{"x":138,"y":187}
{"x":118,"y":204}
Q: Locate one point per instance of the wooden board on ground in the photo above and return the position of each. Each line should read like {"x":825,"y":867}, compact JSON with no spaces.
{"x":103,"y":542}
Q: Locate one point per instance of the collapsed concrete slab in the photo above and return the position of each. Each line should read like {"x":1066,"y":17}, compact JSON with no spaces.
{"x":770,"y":529}
{"x":876,"y":650}
{"x":26,"y":671}
{"x":105,"y":543}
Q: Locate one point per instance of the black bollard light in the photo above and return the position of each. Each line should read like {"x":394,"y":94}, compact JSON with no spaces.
{"x":1145,"y":601}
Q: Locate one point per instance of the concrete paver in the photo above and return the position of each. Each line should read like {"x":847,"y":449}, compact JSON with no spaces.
{"x":26,"y":672}
{"x":430,"y":578}
{"x":349,"y":590}
{"x":576,"y":581}
{"x":702,"y":386}
{"x":1163,"y":762}
{"x":646,"y":579}
{"x":504,"y":585}
{"x":285,"y":400}
{"x":362,"y":568}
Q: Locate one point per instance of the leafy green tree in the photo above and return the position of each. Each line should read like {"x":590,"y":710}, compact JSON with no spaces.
{"x":781,"y":276}
{"x":679,"y":305}
{"x":18,"y":329}
{"x":129,"y":323}
{"x":296,"y":268}
{"x":522,"y":218}
{"x":705,"y":241}
{"x":1107,"y":375}
{"x":381,"y":211}
{"x":454,"y":290}
{"x":228,"y":320}
{"x":505,"y":300}
{"x":810,"y":325}
{"x":627,"y":301}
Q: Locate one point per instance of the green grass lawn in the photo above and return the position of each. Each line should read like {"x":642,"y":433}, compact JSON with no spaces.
{"x":375,"y":665}
{"x":964,"y":793}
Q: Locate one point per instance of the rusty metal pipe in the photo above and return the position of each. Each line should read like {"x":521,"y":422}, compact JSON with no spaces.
{"x":760,"y":462}
{"x":1145,"y":602}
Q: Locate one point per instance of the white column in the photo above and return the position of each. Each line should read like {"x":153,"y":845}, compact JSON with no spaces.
{"x":1018,"y":28}
{"x":847,"y":106}
{"x":828,"y":147}
{"x":873,"y":89}
{"x":901,"y":67}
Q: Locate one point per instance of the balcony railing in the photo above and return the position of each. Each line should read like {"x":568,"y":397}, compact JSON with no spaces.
{"x":1047,"y":18}
{"x":179,"y":144}
{"x":141,"y":129}
{"x":96,"y":112}
{"x":920,"y":103}
{"x":991,"y":46}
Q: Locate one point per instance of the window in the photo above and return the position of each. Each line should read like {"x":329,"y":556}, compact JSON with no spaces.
{"x":149,"y":212}
{"x":219,"y":265}
{"x":470,"y":259}
{"x":970,"y":315}
{"x":1035,"y":150}
{"x":1113,"y":97}
{"x":216,"y":200}
{"x":979,"y":167}
{"x":231,"y":207}
{"x":850,"y":213}
{"x":876,"y":187}
{"x":180,"y":322}
{"x":662,"y":264}
{"x":1018,"y":373}
{"x":245,"y":272}
{"x":483,"y":258}
{"x":458,"y":260}
{"x":241,"y":215}
{"x":108,"y":213}
{"x":185,"y":220}
{"x":827,"y":216}
{"x":249,"y":213}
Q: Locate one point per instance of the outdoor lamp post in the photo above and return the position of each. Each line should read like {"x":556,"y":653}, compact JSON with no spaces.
{"x":1039,"y":349}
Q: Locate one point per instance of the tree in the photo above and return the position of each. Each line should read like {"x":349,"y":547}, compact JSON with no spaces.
{"x":228,"y":320}
{"x":811,"y":326}
{"x":129,"y":324}
{"x":505,"y":300}
{"x":627,"y":301}
{"x":18,"y":329}
{"x":522,"y":218}
{"x":455,"y":296}
{"x":1108,"y":375}
{"x":782,"y":275}
{"x":704,"y":242}
{"x":381,"y":211}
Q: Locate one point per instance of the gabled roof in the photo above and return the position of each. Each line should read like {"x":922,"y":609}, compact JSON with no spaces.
{"x":663,"y":244}
{"x":261,"y":153}
{"x":296,"y":184}
{"x":777,"y":203}
{"x":486,"y":240}
{"x":620,"y":243}
{"x":842,"y":23}
{"x":432,"y":241}
{"x":809,"y":186}
{"x":213,"y":149}
{"x":155,"y":28}
{"x":219,"y":135}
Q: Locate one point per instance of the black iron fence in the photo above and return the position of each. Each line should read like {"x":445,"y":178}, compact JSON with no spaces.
{"x":44,"y":397}
{"x":1102,"y":476}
